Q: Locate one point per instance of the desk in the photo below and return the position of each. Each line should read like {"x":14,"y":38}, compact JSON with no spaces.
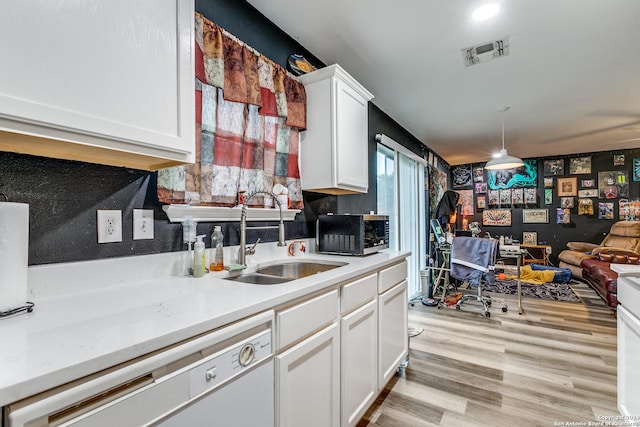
{"x":538,"y":255}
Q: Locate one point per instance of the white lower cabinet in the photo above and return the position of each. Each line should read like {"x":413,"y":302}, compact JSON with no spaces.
{"x":359,"y":359}
{"x":308,"y":382}
{"x":393,"y":339}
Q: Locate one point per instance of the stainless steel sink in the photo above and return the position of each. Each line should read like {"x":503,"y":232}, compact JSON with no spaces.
{"x":274,"y":274}
{"x":259,"y":279}
{"x":298,"y":269}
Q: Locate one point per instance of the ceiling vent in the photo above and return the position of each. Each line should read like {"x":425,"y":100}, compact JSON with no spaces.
{"x":484,"y":52}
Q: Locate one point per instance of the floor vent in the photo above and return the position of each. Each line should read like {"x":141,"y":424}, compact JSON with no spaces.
{"x":485,"y":52}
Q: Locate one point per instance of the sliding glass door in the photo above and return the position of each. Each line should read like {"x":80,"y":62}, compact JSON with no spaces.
{"x":401,"y":195}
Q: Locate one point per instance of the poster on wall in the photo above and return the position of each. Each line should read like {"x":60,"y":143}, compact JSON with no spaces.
{"x":505,"y":196}
{"x":535,"y":216}
{"x":585,"y":207}
{"x":461,"y":176}
{"x":605,"y":210}
{"x":466,"y":202}
{"x":618,"y":160}
{"x":517,"y":196}
{"x":497,"y":217}
{"x":548,"y":196}
{"x":530,"y":196}
{"x":481,"y":187}
{"x":481,"y":202}
{"x":567,"y":202}
{"x":524,"y":176}
{"x":494,"y":197}
{"x":613,"y":184}
{"x":478,"y":174}
{"x":567,"y":187}
{"x":553,"y":167}
{"x":580,"y":166}
{"x":636,"y":169}
{"x":563,"y":216}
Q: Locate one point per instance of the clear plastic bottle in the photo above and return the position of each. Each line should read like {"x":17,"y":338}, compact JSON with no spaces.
{"x":217,"y":251}
{"x":198,"y":257}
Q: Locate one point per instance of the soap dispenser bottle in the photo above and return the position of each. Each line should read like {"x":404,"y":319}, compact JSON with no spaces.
{"x":198,"y":257}
{"x":217,"y":251}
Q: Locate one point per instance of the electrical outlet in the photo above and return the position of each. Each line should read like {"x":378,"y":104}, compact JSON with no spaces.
{"x":109,"y":226}
{"x":142,"y":224}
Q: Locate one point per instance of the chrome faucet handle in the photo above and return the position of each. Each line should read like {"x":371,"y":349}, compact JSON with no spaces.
{"x":250,"y":250}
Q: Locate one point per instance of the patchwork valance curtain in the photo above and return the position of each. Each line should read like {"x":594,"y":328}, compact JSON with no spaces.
{"x":249,"y":112}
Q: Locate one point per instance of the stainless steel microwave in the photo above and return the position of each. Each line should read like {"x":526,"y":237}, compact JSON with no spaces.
{"x":352,"y":234}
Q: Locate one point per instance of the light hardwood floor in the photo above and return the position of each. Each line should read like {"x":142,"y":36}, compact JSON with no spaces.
{"x":554,"y":363}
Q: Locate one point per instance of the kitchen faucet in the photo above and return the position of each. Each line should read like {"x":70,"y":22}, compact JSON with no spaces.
{"x":243,"y":251}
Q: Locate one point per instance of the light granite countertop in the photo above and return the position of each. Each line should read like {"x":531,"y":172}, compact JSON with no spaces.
{"x":96,"y":314}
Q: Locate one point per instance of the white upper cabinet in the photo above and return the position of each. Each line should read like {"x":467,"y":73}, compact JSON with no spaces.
{"x":105,"y":81}
{"x":334,"y":148}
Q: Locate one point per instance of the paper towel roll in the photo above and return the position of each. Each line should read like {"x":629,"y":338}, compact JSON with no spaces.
{"x":14,"y":254}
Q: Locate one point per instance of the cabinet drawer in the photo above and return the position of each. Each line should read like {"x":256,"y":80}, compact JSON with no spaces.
{"x":389,"y":277}
{"x":301,"y":320}
{"x":357,"y":293}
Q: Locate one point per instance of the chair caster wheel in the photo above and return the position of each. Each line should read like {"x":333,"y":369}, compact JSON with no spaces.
{"x":487,"y":314}
{"x":489,"y":303}
{"x":457,"y":307}
{"x":504,"y":309}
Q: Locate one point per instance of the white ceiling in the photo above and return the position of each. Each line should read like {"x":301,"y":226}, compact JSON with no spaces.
{"x":572,"y":77}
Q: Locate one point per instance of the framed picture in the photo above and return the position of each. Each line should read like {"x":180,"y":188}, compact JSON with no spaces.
{"x":548,"y":196}
{"x":522,"y":177}
{"x":478,"y":174}
{"x":605,"y":210}
{"x":517,"y":196}
{"x":535,"y":216}
{"x":466,"y":201}
{"x":563,"y":216}
{"x":588,"y":183}
{"x":494,"y":197}
{"x":481,"y":202}
{"x":497,"y":217}
{"x":529,"y":238}
{"x":618,"y":160}
{"x":548,"y":182}
{"x":592,"y":192}
{"x":636,"y":169}
{"x":585,"y":207}
{"x":553,"y":167}
{"x":530,"y":196}
{"x":461,"y":176}
{"x":566,"y":202}
{"x":481,"y":187}
{"x":567,"y":187}
{"x":613,"y":184}
{"x":505,"y":196}
{"x":580,"y":165}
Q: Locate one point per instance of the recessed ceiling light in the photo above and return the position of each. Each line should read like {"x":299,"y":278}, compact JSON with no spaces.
{"x":485,"y":12}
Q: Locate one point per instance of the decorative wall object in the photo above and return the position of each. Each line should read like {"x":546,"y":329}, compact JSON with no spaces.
{"x":494,"y":197}
{"x":566,"y":202}
{"x":618,"y":160}
{"x":505,"y":196}
{"x":497,"y":217}
{"x":461,"y":176}
{"x":481,"y":187}
{"x":548,"y":182}
{"x":587,"y":183}
{"x":529,"y":238}
{"x":585,"y":207}
{"x":466,"y":202}
{"x":613,"y":184}
{"x":567,"y":187}
{"x":481,"y":202}
{"x":553,"y":167}
{"x":580,"y":165}
{"x":563,"y":216}
{"x":605,"y":210}
{"x":629,"y":210}
{"x":591,"y":192}
{"x":530,"y":196}
{"x":535,"y":216}
{"x":517,"y":196}
{"x":437,"y":185}
{"x":524,"y":176}
{"x":478,"y":174}
{"x":548,"y":196}
{"x":636,"y":169}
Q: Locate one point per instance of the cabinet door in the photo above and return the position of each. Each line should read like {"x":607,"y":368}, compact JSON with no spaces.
{"x":358,"y":349}
{"x":351,"y":138}
{"x":308,"y":382}
{"x":113,"y":74}
{"x":393,"y":338}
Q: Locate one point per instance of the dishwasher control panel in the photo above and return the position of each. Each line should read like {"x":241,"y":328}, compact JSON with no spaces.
{"x":220,"y":367}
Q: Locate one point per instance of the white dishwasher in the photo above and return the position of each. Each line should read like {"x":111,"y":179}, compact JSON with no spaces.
{"x":221,"y":378}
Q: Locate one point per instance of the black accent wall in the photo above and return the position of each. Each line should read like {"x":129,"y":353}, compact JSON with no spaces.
{"x":64,"y":195}
{"x":584,"y":228}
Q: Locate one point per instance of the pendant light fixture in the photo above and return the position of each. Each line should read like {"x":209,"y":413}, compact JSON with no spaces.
{"x":503,"y":160}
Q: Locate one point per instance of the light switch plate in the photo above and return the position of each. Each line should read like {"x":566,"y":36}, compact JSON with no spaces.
{"x":142,"y":224}
{"x":109,"y":226}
